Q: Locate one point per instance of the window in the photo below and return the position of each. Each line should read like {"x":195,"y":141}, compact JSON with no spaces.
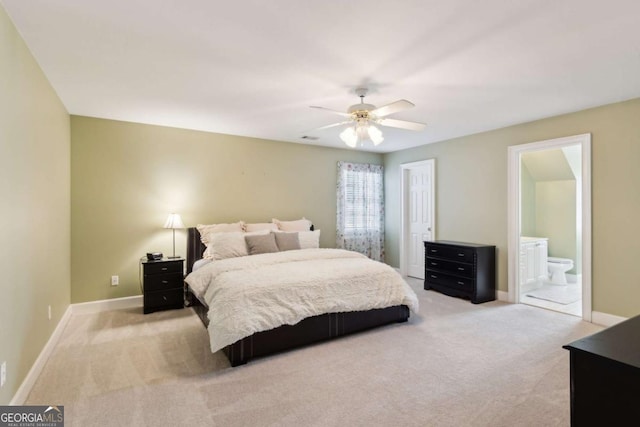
{"x":360,"y":202}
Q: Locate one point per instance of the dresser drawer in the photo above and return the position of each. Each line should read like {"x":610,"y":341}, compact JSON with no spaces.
{"x":161,"y":300}
{"x":450,"y":252}
{"x":163,"y":267}
{"x":457,"y":268}
{"x":160,"y":282}
{"x":436,"y":278}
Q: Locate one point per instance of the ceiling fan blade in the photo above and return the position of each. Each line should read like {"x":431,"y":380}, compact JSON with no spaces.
{"x":331,"y":126}
{"x":394,"y":107}
{"x":402,"y":124}
{"x":333,"y":111}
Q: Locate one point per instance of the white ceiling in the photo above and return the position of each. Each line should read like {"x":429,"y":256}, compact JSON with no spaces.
{"x":253,"y":67}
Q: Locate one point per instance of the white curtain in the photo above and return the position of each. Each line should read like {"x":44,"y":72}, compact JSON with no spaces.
{"x":360,"y":216}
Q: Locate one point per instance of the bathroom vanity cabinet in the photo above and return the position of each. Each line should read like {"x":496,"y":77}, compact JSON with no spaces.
{"x":533,"y":259}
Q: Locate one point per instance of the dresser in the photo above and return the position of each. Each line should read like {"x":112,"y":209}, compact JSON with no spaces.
{"x":163,"y":286}
{"x":605,"y":376}
{"x":460,"y":269}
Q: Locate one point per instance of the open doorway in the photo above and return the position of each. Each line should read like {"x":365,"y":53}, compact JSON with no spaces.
{"x":550,"y":224}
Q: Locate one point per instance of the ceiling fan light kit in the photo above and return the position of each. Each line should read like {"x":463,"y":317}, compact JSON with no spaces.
{"x":362,"y":117}
{"x":360,"y":133}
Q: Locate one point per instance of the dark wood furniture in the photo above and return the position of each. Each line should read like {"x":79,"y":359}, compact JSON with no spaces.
{"x":163,"y":286}
{"x":461,"y":269}
{"x":605,"y":376}
{"x":307,"y":331}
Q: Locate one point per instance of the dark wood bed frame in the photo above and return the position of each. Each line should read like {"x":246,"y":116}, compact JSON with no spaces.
{"x":307,"y":331}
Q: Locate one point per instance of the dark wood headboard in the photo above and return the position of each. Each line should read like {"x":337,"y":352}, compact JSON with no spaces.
{"x":195,"y":247}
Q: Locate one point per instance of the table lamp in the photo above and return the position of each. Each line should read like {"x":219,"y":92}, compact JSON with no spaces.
{"x":174,"y":221}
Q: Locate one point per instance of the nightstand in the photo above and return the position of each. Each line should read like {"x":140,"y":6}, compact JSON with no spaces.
{"x":163,"y":284}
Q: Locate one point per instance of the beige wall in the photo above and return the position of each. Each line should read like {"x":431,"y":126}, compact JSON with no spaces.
{"x":472,"y":194}
{"x":556,"y":217}
{"x":34,"y":193}
{"x":126,"y":179}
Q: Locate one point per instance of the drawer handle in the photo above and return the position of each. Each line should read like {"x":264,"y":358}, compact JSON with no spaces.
{"x":461,"y":268}
{"x":434,"y":250}
{"x":460,"y":254}
{"x":164,"y":298}
{"x":460,"y":283}
{"x":165,"y":281}
{"x":434,"y":263}
{"x":434,"y":276}
{"x":164,"y":268}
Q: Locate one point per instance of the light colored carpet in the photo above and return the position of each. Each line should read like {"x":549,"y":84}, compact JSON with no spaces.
{"x":453,"y":364}
{"x":559,"y":294}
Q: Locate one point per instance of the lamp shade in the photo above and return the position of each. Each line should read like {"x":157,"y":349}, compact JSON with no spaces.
{"x":349,"y":137}
{"x":174,"y":221}
{"x":375,"y":135}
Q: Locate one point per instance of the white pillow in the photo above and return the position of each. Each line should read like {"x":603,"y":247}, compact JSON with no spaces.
{"x":205,"y":230}
{"x":309,"y":239}
{"x":235,"y":248}
{"x":225,"y":245}
{"x":297,"y":225}
{"x":200,"y":263}
{"x":260,"y":227}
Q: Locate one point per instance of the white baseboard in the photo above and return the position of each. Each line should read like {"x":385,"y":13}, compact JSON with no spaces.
{"x":80,"y":308}
{"x":26,"y":386}
{"x":605,"y":319}
{"x":107,"y":305}
{"x":502,"y":296}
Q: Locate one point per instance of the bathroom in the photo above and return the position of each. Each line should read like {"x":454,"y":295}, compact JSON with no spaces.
{"x":551,"y":242}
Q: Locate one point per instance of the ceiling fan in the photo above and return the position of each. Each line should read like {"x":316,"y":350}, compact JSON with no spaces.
{"x":363,"y":118}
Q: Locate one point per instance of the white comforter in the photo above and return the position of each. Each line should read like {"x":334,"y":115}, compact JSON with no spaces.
{"x":261,"y":292}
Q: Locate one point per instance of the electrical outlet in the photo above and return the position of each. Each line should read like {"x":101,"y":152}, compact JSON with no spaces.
{"x":115,"y":280}
{"x":49,"y":312}
{"x":3,"y":374}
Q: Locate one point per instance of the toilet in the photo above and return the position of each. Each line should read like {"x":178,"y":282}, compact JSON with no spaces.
{"x":557,"y":269}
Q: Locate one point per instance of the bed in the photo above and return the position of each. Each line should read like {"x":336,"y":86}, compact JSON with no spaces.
{"x":310,"y":329}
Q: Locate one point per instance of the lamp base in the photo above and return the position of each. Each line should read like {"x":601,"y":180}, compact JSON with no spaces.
{"x":174,"y":257}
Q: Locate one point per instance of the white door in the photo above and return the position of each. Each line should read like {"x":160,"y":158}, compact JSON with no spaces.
{"x":419,"y":215}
